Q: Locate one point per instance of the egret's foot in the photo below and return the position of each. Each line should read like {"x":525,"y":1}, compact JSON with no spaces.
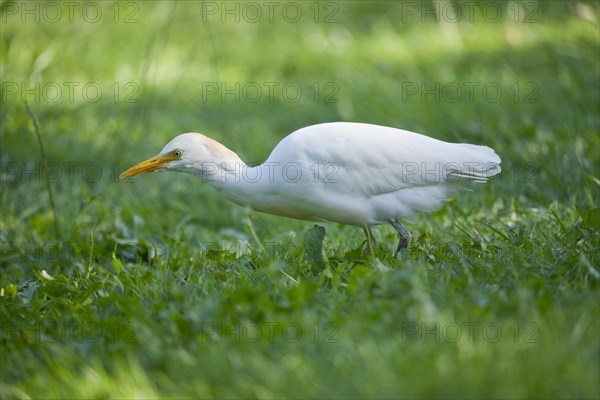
{"x":404,"y":237}
{"x":371,"y":242}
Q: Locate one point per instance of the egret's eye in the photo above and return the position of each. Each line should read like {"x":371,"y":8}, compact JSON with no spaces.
{"x":177,"y":153}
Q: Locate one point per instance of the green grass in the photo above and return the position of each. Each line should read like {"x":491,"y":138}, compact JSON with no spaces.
{"x":157,"y":287}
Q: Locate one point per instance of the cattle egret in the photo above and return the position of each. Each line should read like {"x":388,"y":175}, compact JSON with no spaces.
{"x":350,"y":173}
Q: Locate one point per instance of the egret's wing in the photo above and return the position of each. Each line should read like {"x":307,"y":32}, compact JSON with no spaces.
{"x":391,"y":165}
{"x":374,"y":159}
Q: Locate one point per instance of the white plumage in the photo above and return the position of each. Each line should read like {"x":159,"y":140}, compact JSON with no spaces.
{"x":351,"y":173}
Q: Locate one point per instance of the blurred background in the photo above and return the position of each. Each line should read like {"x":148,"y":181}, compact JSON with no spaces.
{"x":112,"y":82}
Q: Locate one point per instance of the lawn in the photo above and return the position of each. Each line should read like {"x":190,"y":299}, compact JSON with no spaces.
{"x":157,"y":287}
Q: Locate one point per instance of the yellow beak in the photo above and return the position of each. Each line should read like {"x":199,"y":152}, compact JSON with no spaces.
{"x":152,"y":164}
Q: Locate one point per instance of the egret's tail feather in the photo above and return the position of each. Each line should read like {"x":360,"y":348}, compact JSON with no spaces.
{"x":481,"y":163}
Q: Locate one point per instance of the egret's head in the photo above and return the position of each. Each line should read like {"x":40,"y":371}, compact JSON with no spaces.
{"x":186,"y":153}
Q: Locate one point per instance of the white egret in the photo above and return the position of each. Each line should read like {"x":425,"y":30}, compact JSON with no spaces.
{"x":350,"y":173}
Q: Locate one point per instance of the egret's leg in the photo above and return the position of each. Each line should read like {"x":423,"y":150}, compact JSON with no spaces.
{"x":371,"y":242}
{"x":404,"y":236}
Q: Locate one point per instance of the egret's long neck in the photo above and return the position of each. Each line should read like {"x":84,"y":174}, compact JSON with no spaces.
{"x":228,"y":174}
{"x":240,"y":183}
